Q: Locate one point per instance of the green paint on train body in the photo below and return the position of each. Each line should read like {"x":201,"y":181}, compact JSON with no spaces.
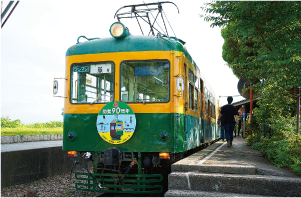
{"x":130,"y":44}
{"x":146,"y":138}
{"x":183,"y":132}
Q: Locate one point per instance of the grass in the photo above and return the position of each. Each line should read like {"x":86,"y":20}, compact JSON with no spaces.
{"x":16,"y":128}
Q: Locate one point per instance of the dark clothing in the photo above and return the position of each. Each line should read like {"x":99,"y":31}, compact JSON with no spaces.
{"x":229,"y":131}
{"x":228,"y":111}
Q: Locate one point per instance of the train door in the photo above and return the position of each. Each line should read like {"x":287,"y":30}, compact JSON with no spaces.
{"x":202,"y":126}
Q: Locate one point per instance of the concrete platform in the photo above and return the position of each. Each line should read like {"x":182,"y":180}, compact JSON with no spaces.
{"x":192,"y":193}
{"x":235,"y":183}
{"x":235,"y":171}
{"x":30,"y":145}
{"x":31,"y":161}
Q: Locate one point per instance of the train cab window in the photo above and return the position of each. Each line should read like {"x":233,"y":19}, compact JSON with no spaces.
{"x":144,"y":81}
{"x":92,"y":83}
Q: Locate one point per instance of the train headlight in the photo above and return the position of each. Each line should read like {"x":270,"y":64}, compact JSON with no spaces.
{"x":118,"y":30}
{"x":72,"y":136}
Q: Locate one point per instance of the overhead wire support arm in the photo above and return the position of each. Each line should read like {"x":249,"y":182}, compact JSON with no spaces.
{"x":138,"y":22}
{"x":147,"y":4}
{"x":154,"y":23}
{"x":155,"y":19}
{"x":136,"y":11}
{"x":147,"y":22}
{"x":150,"y":24}
{"x":160,"y":10}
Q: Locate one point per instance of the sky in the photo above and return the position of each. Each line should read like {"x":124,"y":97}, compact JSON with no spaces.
{"x":37,"y":35}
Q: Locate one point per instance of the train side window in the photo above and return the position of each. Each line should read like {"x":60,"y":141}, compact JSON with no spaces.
{"x":196,"y":99}
{"x":191,"y":106}
{"x":193,"y":90}
{"x":92,"y":83}
{"x":209,"y":108}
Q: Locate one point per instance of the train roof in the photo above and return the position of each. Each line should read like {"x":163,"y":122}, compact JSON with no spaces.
{"x":130,"y":44}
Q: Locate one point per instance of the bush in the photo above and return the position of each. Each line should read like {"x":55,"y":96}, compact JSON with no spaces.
{"x":51,"y":124}
{"x":8,"y":123}
{"x":282,"y":147}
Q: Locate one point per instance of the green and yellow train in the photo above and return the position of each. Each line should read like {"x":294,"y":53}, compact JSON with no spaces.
{"x":134,"y":105}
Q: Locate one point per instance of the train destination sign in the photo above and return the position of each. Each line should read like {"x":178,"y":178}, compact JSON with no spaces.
{"x":116,"y":122}
{"x":81,"y":69}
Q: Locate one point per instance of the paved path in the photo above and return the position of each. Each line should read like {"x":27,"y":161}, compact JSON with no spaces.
{"x":238,"y":171}
{"x":30,"y":145}
{"x":242,"y":155}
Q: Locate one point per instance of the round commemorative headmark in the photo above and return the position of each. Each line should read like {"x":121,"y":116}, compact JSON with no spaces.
{"x":116,"y":122}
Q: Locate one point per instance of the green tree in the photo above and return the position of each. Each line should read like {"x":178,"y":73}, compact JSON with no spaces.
{"x":262,"y":42}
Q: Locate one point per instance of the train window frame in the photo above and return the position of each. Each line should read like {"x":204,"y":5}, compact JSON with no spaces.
{"x":201,"y":95}
{"x":193,"y":90}
{"x":191,"y":76}
{"x":210,"y":108}
{"x":144,"y":102}
{"x":206,"y":91}
{"x":191,"y":96}
{"x":90,"y":63}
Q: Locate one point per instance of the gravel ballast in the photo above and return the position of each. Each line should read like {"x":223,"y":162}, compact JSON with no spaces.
{"x":56,"y":186}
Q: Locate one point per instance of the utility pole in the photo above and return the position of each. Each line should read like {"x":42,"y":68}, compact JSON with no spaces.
{"x":251,"y":106}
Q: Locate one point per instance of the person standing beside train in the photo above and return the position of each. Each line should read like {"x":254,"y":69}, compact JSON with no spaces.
{"x":229,"y":111}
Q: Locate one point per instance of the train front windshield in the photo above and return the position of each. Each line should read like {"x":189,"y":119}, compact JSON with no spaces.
{"x":140,"y":81}
{"x":93,"y":82}
{"x":144,"y":81}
